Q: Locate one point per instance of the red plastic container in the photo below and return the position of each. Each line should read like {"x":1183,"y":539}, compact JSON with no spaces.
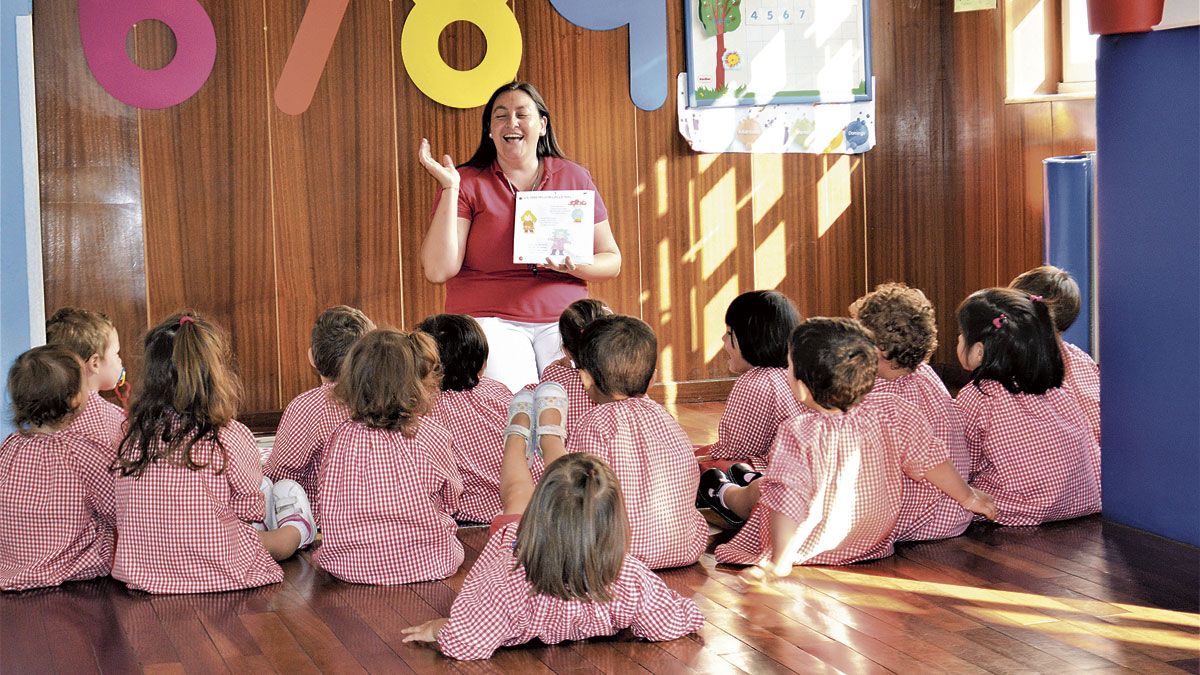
{"x":1106,"y":17}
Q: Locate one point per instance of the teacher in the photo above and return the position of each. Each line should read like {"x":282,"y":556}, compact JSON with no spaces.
{"x":469,"y":245}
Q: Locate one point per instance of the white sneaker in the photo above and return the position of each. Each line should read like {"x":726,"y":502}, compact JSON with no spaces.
{"x":268,"y":505}
{"x":291,"y":506}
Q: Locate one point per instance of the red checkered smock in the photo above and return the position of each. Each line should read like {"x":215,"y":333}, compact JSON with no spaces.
{"x":841,"y":478}
{"x":578,"y":402}
{"x":653,"y":460}
{"x":184,"y":531}
{"x":761,"y":399}
{"x":1081,"y":377}
{"x":304,"y":430}
{"x":476,"y":419}
{"x":100,"y":421}
{"x":56,"y":510}
{"x":387,"y":505}
{"x":1034,"y":454}
{"x":927,"y":512}
{"x":497,"y":607}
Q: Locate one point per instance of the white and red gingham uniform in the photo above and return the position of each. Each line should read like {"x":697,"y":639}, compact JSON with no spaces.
{"x":100,"y":421}
{"x":654,"y":462}
{"x":56,"y":510}
{"x":307,"y":423}
{"x":1081,"y":377}
{"x":476,"y":419}
{"x":184,"y":531}
{"x":1034,"y":454}
{"x":387,"y":505}
{"x":926,"y":512}
{"x":840,"y":477}
{"x":498,"y":608}
{"x":761,"y":399}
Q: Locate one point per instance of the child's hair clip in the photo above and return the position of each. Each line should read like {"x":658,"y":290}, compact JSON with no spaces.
{"x":1035,"y":298}
{"x":186,"y":319}
{"x":998,"y":322}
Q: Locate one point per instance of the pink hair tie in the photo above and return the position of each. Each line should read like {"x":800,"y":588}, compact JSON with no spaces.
{"x":186,"y":319}
{"x":1035,"y":298}
{"x":998,"y":322}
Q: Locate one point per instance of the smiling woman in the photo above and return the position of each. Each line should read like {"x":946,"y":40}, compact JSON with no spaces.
{"x":469,"y":245}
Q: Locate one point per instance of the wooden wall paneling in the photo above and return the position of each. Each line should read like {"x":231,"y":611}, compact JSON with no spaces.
{"x":1029,"y":138}
{"x":596,"y":125}
{"x":450,"y":131}
{"x":698,"y":238}
{"x":334,"y":196}
{"x":207,"y":200}
{"x":914,"y":233}
{"x":91,"y":197}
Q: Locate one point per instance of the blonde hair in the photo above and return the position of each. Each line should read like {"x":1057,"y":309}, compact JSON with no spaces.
{"x":188,"y":394}
{"x":82,"y":331}
{"x":389,"y":379}
{"x":574,"y":535}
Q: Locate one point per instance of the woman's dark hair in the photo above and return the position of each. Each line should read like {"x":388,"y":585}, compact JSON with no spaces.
{"x":389,"y":379}
{"x":188,"y":394}
{"x":1020,"y":347}
{"x":620,"y":353}
{"x":574,"y":535}
{"x":547,"y":145}
{"x":43,"y":384}
{"x":1057,"y":289}
{"x":575,"y":318}
{"x":902,"y":321}
{"x":462,"y":347}
{"x":761,"y":322}
{"x":835,"y":359}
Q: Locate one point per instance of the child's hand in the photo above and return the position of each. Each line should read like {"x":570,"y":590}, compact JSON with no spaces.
{"x":981,"y":503}
{"x":426,"y":632}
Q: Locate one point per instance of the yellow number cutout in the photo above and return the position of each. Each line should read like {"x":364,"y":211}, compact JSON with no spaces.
{"x":436,"y":79}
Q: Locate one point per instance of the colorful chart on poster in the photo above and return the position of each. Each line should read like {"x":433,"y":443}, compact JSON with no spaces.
{"x":757,"y":52}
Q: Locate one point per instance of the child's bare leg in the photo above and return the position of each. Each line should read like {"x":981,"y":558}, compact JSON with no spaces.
{"x":281,"y":543}
{"x":552,"y":446}
{"x":516,"y":483}
{"x":741,"y":500}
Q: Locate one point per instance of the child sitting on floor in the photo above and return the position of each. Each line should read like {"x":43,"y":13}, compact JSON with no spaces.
{"x":1030,"y":442}
{"x":638,"y":438}
{"x":1081,"y":375}
{"x":389,"y":483}
{"x":757,"y":327}
{"x":905,"y":330}
{"x":831,"y":494}
{"x":56,"y":504}
{"x":472,"y":408}
{"x":191,"y":483}
{"x":571,"y":324}
{"x":310,"y":419}
{"x":557,"y":565}
{"x":93,"y":338}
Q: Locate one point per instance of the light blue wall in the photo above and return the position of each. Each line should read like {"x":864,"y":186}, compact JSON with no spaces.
{"x":14,"y":272}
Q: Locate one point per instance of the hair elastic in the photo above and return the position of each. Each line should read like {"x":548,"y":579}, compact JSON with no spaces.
{"x":186,"y":319}
{"x":998,"y":322}
{"x":1035,"y":298}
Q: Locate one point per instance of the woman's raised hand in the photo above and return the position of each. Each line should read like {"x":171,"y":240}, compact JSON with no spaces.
{"x":445,"y":173}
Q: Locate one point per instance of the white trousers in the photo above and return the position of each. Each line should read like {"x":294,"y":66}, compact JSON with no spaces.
{"x":519,"y":351}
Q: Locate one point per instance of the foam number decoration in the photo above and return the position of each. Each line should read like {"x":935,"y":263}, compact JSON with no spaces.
{"x":310,"y":52}
{"x":103,"y":25}
{"x":647,"y":21}
{"x":446,"y":85}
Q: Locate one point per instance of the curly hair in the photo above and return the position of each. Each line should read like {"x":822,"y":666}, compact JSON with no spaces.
{"x":835,"y":359}
{"x":902,"y":320}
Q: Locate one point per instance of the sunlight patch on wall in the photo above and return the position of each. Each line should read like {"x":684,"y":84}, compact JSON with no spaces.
{"x":833,"y":193}
{"x":718,"y":224}
{"x":770,"y":259}
{"x":714,"y":318}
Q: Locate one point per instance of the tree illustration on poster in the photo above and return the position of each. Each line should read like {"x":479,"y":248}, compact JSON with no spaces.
{"x":719,"y":17}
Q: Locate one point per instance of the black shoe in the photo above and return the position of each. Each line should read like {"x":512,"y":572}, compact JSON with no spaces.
{"x":710,"y":486}
{"x":743,"y":474}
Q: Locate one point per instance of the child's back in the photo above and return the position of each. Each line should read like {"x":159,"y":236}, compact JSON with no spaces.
{"x":759,"y":402}
{"x":1081,"y":377}
{"x":475,"y":419}
{"x":99,"y":421}
{"x":653,"y":460}
{"x":1033,"y":452}
{"x":56,"y":510}
{"x":926,"y":512}
{"x":387,"y":505}
{"x":185,"y":530}
{"x":840,"y":477}
{"x":304,"y":430}
{"x":497,"y":607}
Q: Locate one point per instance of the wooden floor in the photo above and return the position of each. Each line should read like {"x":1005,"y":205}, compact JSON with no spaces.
{"x":1085,"y":595}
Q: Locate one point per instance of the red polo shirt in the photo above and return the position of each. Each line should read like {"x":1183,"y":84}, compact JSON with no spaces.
{"x":489,"y":283}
